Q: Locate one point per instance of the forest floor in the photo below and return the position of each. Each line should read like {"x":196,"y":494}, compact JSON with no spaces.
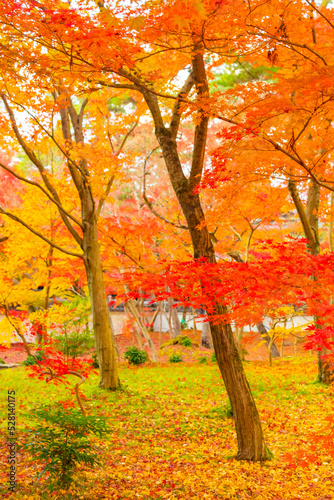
{"x":170,"y":437}
{"x":255,"y":350}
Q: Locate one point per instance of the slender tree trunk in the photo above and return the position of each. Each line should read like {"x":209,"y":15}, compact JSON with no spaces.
{"x":251,"y":444}
{"x":239,"y":333}
{"x":310,"y":223}
{"x":101,"y":321}
{"x":194,"y":319}
{"x":143,"y":329}
{"x":173,"y":321}
{"x":206,"y":340}
{"x":264,"y":335}
{"x":154,"y":317}
{"x":176,"y":322}
{"x":136,"y":335}
{"x":260,"y":326}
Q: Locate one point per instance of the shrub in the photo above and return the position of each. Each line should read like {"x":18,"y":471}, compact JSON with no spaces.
{"x":203,"y":360}
{"x":31,"y":360}
{"x":213,"y":358}
{"x":2,"y":362}
{"x":135,"y":356}
{"x":61,"y":443}
{"x":185,"y":341}
{"x":175,"y":358}
{"x":181,"y":340}
{"x":75,"y":343}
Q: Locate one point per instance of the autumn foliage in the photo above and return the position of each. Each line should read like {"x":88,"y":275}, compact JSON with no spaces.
{"x":173,"y":153}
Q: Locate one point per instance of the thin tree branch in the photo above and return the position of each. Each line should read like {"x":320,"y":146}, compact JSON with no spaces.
{"x":320,"y":13}
{"x":288,"y":42}
{"x":175,"y":120}
{"x":33,"y":158}
{"x":44,"y":238}
{"x":111,"y":180}
{"x":301,"y":212}
{"x":154,"y":212}
{"x":51,"y":137}
{"x":201,"y":129}
{"x":32,"y":183}
{"x":149,"y":204}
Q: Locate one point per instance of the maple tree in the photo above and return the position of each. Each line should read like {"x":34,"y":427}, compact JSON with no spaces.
{"x":100,"y":51}
{"x":288,"y":116}
{"x":79,"y":194}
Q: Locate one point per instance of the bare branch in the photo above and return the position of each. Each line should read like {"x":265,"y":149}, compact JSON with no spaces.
{"x":149,"y":204}
{"x":320,"y":13}
{"x":302,"y":213}
{"x":202,"y":127}
{"x":111,"y":180}
{"x":175,"y":120}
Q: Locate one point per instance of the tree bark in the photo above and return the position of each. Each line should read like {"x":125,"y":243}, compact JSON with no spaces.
{"x":137,"y":335}
{"x":176,"y":330}
{"x":143,"y":329}
{"x":310,"y":223}
{"x":206,"y":340}
{"x":263,"y":332}
{"x":251,"y":444}
{"x":260,"y":326}
{"x":102,"y":325}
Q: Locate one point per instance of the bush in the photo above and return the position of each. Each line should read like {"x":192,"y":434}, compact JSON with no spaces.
{"x":75,"y":343}
{"x":135,"y":356}
{"x":203,"y":360}
{"x":175,"y":358}
{"x":185,"y":341}
{"x":31,"y":360}
{"x":213,"y":358}
{"x":181,"y":340}
{"x":2,"y":362}
{"x":61,"y":443}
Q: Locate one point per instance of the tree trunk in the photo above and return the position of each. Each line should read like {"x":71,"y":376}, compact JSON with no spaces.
{"x":173,"y":320}
{"x":176,"y":322}
{"x":260,"y":326}
{"x":206,"y":340}
{"x":143,"y":329}
{"x":310,"y":222}
{"x":270,"y":345}
{"x":194,"y":319}
{"x":325,"y":374}
{"x":251,"y":444}
{"x":239,"y":333}
{"x":101,"y":321}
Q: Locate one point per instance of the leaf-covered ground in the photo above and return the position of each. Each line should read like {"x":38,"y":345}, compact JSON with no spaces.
{"x":170,"y":437}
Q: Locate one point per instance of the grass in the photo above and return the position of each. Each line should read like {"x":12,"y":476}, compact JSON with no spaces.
{"x":169,"y":440}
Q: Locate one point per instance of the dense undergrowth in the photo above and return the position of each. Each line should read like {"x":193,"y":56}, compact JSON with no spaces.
{"x":172,"y":436}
